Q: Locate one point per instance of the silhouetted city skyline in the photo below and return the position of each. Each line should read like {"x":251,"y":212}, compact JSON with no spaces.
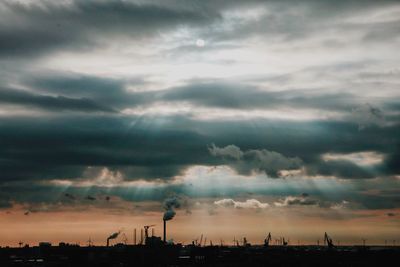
{"x":198,"y":122}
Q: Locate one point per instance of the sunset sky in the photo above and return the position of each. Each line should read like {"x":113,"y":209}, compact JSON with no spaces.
{"x":251,"y":116}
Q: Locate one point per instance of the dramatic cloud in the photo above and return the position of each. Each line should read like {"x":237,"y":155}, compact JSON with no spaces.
{"x":255,"y":160}
{"x":224,"y":96}
{"x":105,"y":103}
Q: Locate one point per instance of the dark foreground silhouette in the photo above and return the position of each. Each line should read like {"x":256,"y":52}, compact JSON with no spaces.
{"x":177,"y":255}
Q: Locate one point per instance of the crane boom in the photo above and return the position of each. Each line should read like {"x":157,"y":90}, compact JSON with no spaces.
{"x":328,"y":241}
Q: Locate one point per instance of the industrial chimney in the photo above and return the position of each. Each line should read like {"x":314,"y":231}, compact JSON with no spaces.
{"x":112,"y":236}
{"x":169,"y":205}
{"x":165,"y":231}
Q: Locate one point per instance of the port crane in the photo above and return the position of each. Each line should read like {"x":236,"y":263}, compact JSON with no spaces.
{"x":245,"y":242}
{"x":267,"y":240}
{"x":328,"y":241}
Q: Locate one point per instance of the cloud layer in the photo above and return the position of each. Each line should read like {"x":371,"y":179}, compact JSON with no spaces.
{"x":100,"y":95}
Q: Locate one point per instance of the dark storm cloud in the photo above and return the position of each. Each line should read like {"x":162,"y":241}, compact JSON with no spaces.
{"x":340,"y":168}
{"x":107,"y":91}
{"x":94,"y":132}
{"x":392,"y":163}
{"x":67,"y":145}
{"x":227,"y":95}
{"x":29,"y":99}
{"x":383,"y":200}
{"x":79,"y":85}
{"x":62,"y":147}
{"x":112,"y":94}
{"x":35,"y":28}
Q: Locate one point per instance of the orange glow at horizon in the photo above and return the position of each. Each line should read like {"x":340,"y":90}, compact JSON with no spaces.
{"x":77,"y":227}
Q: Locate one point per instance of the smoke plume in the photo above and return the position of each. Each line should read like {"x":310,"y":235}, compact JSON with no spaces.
{"x":169,"y":215}
{"x":114,"y":235}
{"x":169,"y":205}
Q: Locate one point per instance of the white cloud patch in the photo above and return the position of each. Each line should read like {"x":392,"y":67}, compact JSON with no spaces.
{"x":103,"y":177}
{"x":306,"y":200}
{"x":296,"y":200}
{"x":248,"y":204}
{"x":368,"y":158}
{"x":339,"y":206}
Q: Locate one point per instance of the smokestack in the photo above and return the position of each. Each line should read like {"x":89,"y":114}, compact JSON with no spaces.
{"x":165,"y":230}
{"x":169,"y":214}
{"x":112,"y":236}
{"x":152,"y":232}
{"x":134,"y":236}
{"x":141,"y":236}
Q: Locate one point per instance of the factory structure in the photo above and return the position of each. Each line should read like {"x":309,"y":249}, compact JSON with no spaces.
{"x":148,"y":249}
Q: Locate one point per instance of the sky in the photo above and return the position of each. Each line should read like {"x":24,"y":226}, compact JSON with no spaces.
{"x":240,"y":117}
